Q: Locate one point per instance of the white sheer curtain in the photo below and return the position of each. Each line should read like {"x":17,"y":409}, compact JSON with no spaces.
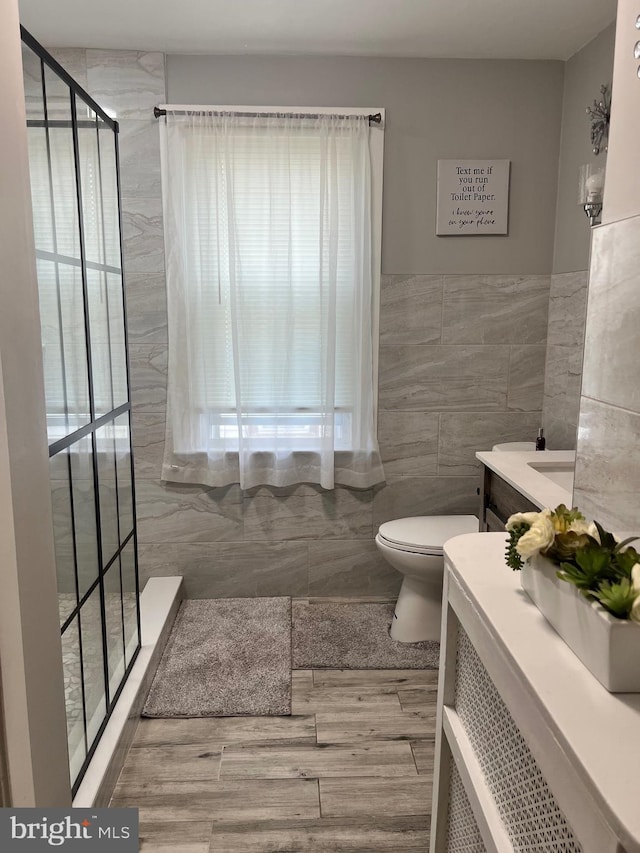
{"x":270,"y":300}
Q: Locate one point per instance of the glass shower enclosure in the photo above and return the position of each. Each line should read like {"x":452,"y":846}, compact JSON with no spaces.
{"x":73,"y":159}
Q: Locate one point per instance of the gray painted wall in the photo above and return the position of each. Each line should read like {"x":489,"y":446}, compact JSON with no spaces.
{"x":435,"y":109}
{"x":622,"y":187}
{"x":584,"y":74}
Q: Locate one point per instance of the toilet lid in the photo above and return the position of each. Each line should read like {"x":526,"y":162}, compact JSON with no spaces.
{"x":427,"y":533}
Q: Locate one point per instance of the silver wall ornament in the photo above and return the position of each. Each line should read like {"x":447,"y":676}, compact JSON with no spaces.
{"x":600,"y":114}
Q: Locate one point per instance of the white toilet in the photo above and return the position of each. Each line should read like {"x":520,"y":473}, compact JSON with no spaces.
{"x":414,"y":546}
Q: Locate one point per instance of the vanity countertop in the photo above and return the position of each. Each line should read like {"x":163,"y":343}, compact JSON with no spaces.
{"x":594,"y":731}
{"x":515,"y":468}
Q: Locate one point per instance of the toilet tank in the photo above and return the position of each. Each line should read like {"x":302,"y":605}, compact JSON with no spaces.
{"x":515,"y":446}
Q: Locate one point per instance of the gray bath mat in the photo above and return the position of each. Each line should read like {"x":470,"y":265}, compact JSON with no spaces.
{"x":354,"y":636}
{"x":225,"y":657}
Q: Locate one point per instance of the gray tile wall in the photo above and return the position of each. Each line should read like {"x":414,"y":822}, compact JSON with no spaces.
{"x":608,"y":460}
{"x":474,"y":380}
{"x":563,"y":370}
{"x":461,"y":367}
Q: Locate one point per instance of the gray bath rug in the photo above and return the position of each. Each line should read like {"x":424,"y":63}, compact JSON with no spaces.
{"x":225,"y":657}
{"x":354,"y":636}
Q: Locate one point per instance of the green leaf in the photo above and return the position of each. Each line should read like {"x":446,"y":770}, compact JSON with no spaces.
{"x":593,"y":560}
{"x":607,"y":540}
{"x":617,"y":598}
{"x":572,"y":514}
{"x":565,"y":517}
{"x":575,"y":575}
{"x":624,"y":542}
{"x":512,"y":558}
{"x":591,"y":567}
{"x":624,"y":561}
{"x":566,"y":544}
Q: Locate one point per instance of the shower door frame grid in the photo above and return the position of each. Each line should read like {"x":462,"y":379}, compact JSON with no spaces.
{"x":94,"y":424}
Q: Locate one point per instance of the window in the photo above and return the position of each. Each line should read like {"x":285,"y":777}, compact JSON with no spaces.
{"x":272,"y":298}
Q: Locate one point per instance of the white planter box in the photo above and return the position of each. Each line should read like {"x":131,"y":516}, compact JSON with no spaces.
{"x":608,"y":647}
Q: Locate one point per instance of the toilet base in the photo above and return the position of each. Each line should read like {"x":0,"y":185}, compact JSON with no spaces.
{"x":418,"y":611}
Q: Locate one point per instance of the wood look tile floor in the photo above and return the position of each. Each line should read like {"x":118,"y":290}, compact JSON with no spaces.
{"x":350,"y":770}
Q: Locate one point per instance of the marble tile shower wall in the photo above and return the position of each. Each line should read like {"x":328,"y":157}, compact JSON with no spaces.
{"x":461,"y":367}
{"x":563,"y":371}
{"x":608,"y":462}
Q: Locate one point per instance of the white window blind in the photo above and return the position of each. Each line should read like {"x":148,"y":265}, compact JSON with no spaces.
{"x":271,"y":300}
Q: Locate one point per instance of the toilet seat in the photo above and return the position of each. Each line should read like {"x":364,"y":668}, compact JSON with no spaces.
{"x":425,"y":534}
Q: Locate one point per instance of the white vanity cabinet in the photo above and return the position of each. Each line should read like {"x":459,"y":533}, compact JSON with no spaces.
{"x":532,"y":753}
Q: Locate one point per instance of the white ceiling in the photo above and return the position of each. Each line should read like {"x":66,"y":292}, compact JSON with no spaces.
{"x":511,"y":29}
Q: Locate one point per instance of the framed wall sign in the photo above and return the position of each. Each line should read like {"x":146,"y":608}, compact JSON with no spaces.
{"x":473,"y":197}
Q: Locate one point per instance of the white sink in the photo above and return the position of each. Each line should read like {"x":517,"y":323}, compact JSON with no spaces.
{"x":545,"y":477}
{"x":560,"y":473}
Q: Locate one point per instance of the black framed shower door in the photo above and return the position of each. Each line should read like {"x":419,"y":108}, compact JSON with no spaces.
{"x":75,"y":188}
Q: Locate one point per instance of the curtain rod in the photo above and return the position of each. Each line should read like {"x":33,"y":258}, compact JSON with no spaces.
{"x":376,"y":118}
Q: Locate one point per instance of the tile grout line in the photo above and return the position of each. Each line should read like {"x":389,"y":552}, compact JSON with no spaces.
{"x":320,"y":815}
{"x":413,"y":753}
{"x":224,"y":745}
{"x":211,"y":831}
{"x":442,"y":310}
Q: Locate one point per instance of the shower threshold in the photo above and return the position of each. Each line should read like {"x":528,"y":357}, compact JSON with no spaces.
{"x":159,"y":604}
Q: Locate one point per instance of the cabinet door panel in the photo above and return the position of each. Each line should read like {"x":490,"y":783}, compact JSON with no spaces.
{"x":500,"y":501}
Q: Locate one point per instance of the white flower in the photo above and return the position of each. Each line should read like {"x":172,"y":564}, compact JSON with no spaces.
{"x":635,"y":583}
{"x":539,"y":536}
{"x":521,"y":518}
{"x":581,"y":526}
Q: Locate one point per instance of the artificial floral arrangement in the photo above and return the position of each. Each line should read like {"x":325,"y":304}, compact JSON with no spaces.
{"x":602,"y":568}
